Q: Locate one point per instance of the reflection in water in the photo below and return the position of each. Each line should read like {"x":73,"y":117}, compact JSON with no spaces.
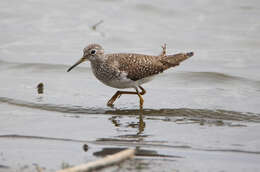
{"x":179,"y":116}
{"x":138,"y":152}
{"x":194,"y":114}
{"x":140,"y":124}
{"x":138,"y":163}
{"x":39,"y":99}
{"x":129,"y":143}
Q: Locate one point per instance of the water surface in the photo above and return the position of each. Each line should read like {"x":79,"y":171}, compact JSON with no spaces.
{"x":203,"y":115}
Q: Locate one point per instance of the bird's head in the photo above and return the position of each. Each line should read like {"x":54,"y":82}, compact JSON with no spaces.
{"x":92,"y":52}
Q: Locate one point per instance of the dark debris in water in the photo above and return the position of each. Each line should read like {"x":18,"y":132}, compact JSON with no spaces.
{"x":94,"y":27}
{"x":40,"y":88}
{"x":85,"y":147}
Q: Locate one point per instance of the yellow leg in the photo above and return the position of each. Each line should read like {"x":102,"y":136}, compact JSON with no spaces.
{"x":119,"y":93}
{"x":140,"y":98}
{"x":116,"y":95}
{"x":143,"y":90}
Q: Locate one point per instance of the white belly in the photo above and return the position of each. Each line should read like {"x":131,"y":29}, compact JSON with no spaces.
{"x":128,"y":83}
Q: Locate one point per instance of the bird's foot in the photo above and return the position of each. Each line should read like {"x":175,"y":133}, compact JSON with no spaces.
{"x":110,"y":103}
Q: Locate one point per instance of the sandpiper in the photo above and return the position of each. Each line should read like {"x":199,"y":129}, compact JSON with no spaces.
{"x":128,"y":70}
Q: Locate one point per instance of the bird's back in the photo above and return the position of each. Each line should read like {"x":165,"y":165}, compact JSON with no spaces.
{"x":139,"y":66}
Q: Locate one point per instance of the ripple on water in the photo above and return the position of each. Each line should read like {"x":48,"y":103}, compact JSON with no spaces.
{"x":181,"y":112}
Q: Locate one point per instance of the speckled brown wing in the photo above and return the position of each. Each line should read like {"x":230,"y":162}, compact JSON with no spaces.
{"x":175,"y":59}
{"x":137,"y":66}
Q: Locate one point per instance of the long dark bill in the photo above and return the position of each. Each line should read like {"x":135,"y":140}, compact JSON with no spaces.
{"x":76,"y":64}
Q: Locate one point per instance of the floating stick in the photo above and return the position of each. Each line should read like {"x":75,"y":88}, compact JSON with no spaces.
{"x":101,"y":163}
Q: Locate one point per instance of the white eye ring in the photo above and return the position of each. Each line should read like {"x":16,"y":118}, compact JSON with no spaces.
{"x":93,"y":51}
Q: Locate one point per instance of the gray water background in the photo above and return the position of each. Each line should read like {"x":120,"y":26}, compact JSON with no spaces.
{"x":201,"y":116}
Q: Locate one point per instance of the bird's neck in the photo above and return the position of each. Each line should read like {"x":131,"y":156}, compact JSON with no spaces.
{"x":97,"y":62}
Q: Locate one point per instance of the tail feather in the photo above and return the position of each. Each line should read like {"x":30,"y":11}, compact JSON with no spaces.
{"x":174,"y":60}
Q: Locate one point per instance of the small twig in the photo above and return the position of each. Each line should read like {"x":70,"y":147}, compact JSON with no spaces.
{"x":94,"y":27}
{"x":104,"y":162}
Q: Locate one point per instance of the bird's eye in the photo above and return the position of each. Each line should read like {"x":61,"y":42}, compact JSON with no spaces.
{"x":93,"y":52}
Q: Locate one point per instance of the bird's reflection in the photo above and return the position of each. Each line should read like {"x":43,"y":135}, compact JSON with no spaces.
{"x":140,"y":124}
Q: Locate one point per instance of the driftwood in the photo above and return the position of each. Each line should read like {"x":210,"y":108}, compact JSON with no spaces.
{"x":101,"y":163}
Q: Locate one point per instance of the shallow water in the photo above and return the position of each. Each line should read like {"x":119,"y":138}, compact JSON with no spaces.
{"x":201,"y":116}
